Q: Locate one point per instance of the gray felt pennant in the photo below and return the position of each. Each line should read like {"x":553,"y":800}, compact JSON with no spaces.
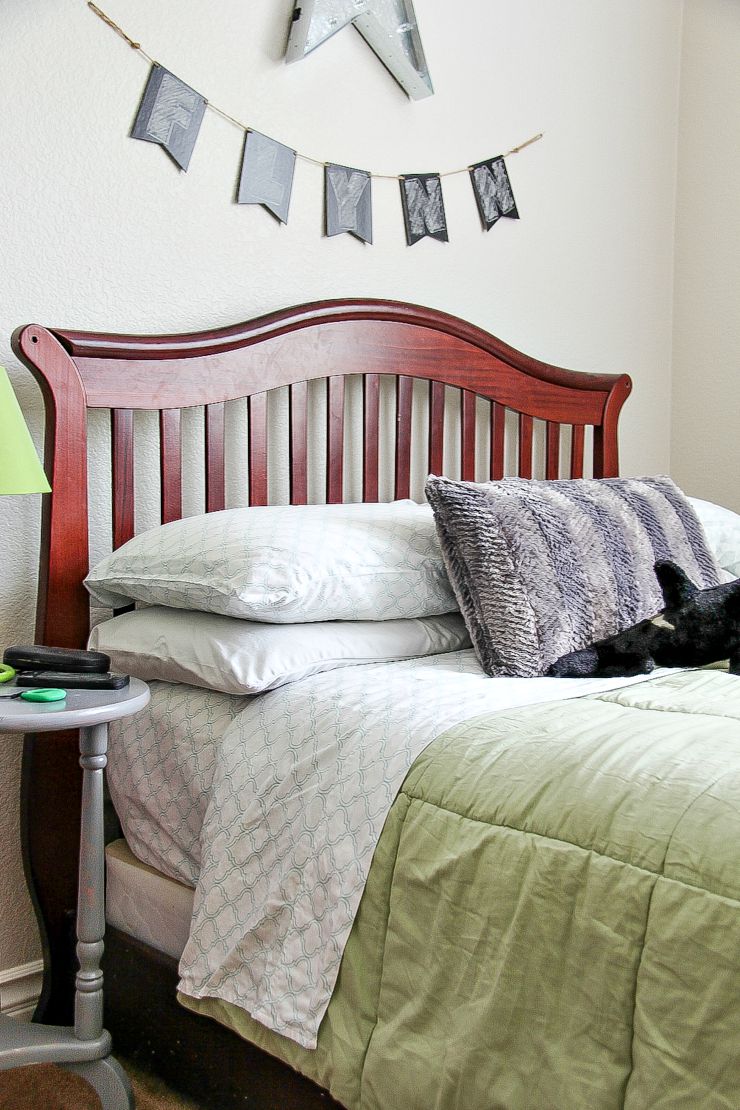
{"x":267,"y":174}
{"x":348,"y":202}
{"x":170,"y":114}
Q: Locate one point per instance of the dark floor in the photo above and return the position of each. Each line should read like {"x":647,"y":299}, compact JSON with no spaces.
{"x":47,"y":1087}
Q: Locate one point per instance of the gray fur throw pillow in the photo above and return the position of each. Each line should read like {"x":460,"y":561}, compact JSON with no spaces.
{"x":545,"y":567}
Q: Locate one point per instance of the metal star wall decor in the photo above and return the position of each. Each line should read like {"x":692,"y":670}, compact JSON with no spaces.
{"x":388,"y":26}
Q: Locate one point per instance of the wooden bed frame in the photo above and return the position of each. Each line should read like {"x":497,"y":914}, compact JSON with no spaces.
{"x":328,"y":340}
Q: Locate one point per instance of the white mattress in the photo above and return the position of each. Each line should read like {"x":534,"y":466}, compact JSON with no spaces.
{"x":145,"y":903}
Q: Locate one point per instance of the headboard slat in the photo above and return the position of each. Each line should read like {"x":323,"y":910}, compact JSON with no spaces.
{"x":298,"y":442}
{"x":436,"y":427}
{"x":525,"y":446}
{"x":404,"y":411}
{"x":371,"y":436}
{"x":257,"y":409}
{"x":552,"y":450}
{"x":468,"y":420}
{"x":122,"y":485}
{"x":335,"y":440}
{"x":215,"y":418}
{"x":498,"y":428}
{"x":170,"y":464}
{"x":576,"y":451}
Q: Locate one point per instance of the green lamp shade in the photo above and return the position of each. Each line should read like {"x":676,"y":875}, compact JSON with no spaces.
{"x":20,"y":469}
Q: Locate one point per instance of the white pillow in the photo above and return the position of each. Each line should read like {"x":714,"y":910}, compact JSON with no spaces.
{"x":722,"y":528}
{"x":286,"y":564}
{"x":244,"y":657}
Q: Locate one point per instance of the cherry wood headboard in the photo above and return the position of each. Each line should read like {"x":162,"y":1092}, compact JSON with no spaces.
{"x":78,"y":371}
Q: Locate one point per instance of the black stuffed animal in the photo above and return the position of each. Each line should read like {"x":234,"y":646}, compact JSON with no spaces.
{"x":695,"y":628}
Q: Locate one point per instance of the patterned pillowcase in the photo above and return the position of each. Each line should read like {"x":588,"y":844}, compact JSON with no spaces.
{"x":543,"y":568}
{"x":286,"y":564}
{"x":238,"y":656}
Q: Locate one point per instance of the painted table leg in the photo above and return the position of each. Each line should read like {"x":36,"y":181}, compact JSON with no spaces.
{"x":90,"y":897}
{"x":109,"y":1081}
{"x":106,"y":1076}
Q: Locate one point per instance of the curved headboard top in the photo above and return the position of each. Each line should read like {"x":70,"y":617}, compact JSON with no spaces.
{"x":320,"y":339}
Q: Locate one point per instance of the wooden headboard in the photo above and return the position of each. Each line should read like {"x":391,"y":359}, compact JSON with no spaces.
{"x":330,"y":340}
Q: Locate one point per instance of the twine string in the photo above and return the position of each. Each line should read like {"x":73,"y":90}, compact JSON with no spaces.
{"x":246,"y":127}
{"x":119,"y":30}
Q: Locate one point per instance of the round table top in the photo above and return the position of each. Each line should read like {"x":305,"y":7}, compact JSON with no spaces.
{"x":80,"y":709}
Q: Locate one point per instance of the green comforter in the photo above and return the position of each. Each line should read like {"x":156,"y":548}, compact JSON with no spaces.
{"x":552,"y":918}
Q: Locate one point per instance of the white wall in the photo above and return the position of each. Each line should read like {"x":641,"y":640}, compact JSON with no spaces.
{"x":705,"y":449}
{"x":101,"y":231}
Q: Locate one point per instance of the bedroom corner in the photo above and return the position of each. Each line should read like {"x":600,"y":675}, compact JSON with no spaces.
{"x":705,"y":447}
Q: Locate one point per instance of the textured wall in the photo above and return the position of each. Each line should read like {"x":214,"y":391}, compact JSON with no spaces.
{"x":101,"y":231}
{"x":705,"y":448}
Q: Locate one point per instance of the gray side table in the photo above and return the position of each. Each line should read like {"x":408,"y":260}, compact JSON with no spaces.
{"x":84,"y":1048}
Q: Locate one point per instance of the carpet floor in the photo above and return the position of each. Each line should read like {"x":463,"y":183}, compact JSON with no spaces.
{"x":47,"y":1087}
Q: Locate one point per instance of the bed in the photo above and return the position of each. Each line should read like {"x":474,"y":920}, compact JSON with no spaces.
{"x":551,"y":915}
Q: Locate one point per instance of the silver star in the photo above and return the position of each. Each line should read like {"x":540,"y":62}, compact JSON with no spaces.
{"x":389,"y":26}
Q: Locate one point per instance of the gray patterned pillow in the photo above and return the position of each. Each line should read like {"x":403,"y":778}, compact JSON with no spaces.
{"x":542,"y":568}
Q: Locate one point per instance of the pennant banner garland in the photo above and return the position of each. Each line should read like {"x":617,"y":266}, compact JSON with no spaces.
{"x":171,"y":113}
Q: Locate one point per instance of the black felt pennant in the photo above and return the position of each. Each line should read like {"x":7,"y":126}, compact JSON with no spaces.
{"x":423,"y":207}
{"x":493,"y":193}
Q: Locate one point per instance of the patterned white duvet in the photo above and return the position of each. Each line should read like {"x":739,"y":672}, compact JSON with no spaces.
{"x":274,"y":804}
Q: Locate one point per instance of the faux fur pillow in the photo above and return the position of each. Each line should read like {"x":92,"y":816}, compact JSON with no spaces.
{"x":542,"y":568}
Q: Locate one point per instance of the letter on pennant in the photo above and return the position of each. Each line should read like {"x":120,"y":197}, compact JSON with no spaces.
{"x":492,"y":190}
{"x":348,"y":202}
{"x":170,"y":115}
{"x":267,"y":174}
{"x":423,"y":207}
